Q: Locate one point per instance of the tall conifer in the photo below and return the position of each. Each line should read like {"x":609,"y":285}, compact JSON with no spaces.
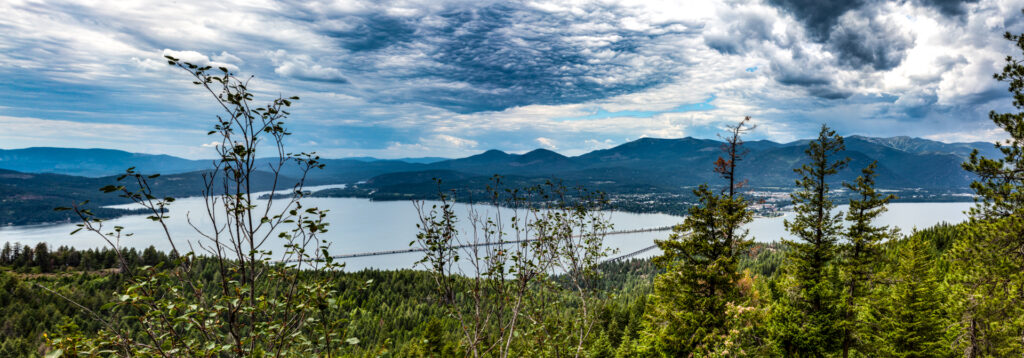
{"x":806,"y":316}
{"x":687,"y":311}
{"x":861,"y":252}
{"x":988,"y":259}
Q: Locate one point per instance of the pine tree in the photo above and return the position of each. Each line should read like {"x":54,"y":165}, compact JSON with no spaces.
{"x":42,"y":257}
{"x":1000,"y":184}
{"x":806,"y":318}
{"x":687,"y":312}
{"x":914,"y":324}
{"x":988,"y":260}
{"x":5,"y":254}
{"x":862,"y":252}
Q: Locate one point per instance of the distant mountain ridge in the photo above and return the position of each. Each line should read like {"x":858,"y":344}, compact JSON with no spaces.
{"x":34,"y":180}
{"x":98,"y":162}
{"x":904,"y":162}
{"x":92,"y":162}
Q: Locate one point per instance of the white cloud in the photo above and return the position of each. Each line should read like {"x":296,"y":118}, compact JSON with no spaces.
{"x":302,"y":67}
{"x":227,"y":58}
{"x":594,"y":144}
{"x":546,"y":143}
{"x":981,"y":135}
{"x":444,"y":140}
{"x":198,"y":59}
{"x":435,"y":145}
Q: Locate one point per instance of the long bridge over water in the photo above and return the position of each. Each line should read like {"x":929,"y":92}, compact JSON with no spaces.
{"x":512,"y":242}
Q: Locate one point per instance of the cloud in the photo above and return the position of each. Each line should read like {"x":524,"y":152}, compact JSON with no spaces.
{"x":226,"y":57}
{"x":198,"y":59}
{"x":438,"y":145}
{"x":594,"y":144}
{"x":493,"y":56}
{"x":451,"y":77}
{"x":949,"y":7}
{"x":990,"y":135}
{"x":302,"y":67}
{"x":863,"y":38}
{"x":819,"y":16}
{"x":546,"y":143}
{"x":444,"y":140}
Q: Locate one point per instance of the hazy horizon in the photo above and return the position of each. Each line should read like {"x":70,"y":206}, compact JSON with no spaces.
{"x":479,"y":151}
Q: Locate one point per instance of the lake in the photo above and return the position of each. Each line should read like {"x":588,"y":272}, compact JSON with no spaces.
{"x":360,"y":225}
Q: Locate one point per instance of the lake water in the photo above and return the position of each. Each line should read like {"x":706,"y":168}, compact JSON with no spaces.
{"x":360,"y":225}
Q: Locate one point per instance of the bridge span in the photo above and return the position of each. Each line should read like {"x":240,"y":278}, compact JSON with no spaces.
{"x":511,"y":242}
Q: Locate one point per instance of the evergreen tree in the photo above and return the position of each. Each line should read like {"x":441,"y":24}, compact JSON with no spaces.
{"x":1000,"y":184}
{"x":687,"y":312}
{"x":151,"y":257}
{"x":5,"y":254}
{"x":601,"y":347}
{"x":42,"y":257}
{"x":862,"y":252}
{"x":806,"y":317}
{"x":988,"y":260}
{"x":914,"y":324}
{"x":26,"y":257}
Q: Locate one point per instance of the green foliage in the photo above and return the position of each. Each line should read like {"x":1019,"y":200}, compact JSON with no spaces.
{"x":252,"y":305}
{"x":913,"y":321}
{"x":689,"y":303}
{"x":1000,"y":184}
{"x":987,"y":263}
{"x":807,"y":313}
{"x":861,"y":255}
{"x":687,"y":313}
{"x":504,"y":280}
{"x":987,"y":285}
{"x":28,"y":313}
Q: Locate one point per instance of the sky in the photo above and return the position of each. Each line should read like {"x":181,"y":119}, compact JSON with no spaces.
{"x":454,"y":78}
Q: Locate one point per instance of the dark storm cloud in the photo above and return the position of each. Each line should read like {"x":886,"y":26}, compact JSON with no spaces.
{"x":864,"y":40}
{"x":853,"y":30}
{"x":949,"y":8}
{"x":816,"y":83}
{"x":819,"y":16}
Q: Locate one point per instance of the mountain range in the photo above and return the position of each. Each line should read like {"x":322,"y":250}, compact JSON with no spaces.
{"x":34,"y":180}
{"x":904,"y":162}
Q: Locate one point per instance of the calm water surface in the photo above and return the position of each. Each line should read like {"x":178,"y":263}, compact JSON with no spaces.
{"x":360,"y":225}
